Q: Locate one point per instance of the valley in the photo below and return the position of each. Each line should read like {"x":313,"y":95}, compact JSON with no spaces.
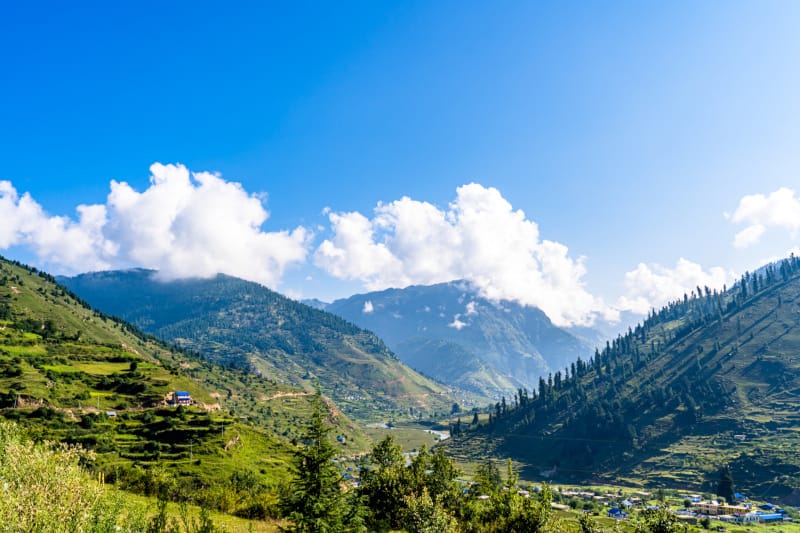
{"x":706,"y":381}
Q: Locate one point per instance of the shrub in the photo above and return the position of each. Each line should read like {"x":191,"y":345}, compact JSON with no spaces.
{"x":46,"y":490}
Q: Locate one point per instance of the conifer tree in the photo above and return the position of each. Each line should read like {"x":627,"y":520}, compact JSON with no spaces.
{"x":316,"y":503}
{"x":725,"y":486}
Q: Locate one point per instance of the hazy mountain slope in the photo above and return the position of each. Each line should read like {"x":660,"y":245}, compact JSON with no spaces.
{"x":72,"y":374}
{"x":706,"y":381}
{"x":449,"y":332}
{"x":247,"y":325}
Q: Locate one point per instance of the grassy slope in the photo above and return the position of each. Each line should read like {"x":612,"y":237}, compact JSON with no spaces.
{"x":239,"y":322}
{"x":72,"y":361}
{"x":742,"y":369}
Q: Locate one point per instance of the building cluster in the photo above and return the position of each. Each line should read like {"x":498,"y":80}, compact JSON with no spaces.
{"x":741,"y":512}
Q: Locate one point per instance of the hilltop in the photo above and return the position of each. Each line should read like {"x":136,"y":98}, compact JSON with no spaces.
{"x":709,"y":380}
{"x":246,"y":325}
{"x":450,"y":332}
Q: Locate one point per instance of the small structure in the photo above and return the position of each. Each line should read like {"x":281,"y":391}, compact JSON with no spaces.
{"x":715,"y":508}
{"x":617,"y":513}
{"x":181,"y":398}
{"x":767,"y":518}
{"x":746,"y":518}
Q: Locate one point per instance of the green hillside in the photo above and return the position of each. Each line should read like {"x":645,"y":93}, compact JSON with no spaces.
{"x":709,"y":380}
{"x":71,"y":374}
{"x":244,"y":324}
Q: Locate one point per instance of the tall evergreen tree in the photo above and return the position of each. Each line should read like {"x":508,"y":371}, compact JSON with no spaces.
{"x":725,"y":485}
{"x":316,"y":503}
{"x":384,"y":485}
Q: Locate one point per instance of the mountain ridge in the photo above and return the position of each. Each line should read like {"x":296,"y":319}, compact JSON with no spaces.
{"x":450,"y":332}
{"x":249,"y":326}
{"x":709,"y":380}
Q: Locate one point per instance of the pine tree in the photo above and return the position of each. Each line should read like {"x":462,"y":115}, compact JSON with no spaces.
{"x":384,"y":485}
{"x":316,"y":503}
{"x":725,"y":486}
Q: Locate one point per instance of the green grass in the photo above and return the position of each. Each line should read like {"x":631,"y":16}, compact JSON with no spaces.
{"x":60,"y":387}
{"x":409,"y":436}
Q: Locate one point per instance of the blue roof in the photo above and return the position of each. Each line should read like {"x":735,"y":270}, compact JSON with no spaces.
{"x":771,"y":516}
{"x":182,"y":393}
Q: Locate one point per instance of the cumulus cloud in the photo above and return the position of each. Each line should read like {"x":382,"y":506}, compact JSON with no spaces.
{"x":479,"y":238}
{"x":368,"y":307}
{"x":780,"y":209}
{"x":184,"y":225}
{"x":651,"y":286}
{"x":57,"y":240}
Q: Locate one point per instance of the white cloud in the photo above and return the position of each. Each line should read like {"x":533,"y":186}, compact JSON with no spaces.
{"x":780,"y":209}
{"x":479,"y":238}
{"x":184,"y":225}
{"x":368,"y":308}
{"x":749,"y":236}
{"x":457,"y":323}
{"x":651,"y":286}
{"x":471,"y":309}
{"x":57,"y":240}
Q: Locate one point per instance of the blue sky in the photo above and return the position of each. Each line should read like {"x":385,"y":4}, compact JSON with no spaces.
{"x":624,"y":132}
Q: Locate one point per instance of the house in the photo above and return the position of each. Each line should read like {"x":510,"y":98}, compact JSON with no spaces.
{"x":768,"y":518}
{"x":715,"y":508}
{"x":181,"y":398}
{"x":617,"y":513}
{"x":739,"y":497}
{"x":746,"y":518}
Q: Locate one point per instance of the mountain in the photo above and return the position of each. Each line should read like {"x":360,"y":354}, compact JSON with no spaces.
{"x":244,"y":324}
{"x":71,"y":374}
{"x":710,"y":380}
{"x":315,"y":303}
{"x":448,"y":331}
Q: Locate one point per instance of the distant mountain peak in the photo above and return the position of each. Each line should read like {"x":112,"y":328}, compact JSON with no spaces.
{"x":453,"y":333}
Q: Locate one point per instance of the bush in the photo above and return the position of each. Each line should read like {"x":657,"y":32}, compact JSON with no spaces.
{"x":46,"y":490}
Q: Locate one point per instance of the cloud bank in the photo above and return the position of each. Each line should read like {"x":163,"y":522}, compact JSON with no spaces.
{"x":183,"y":225}
{"x":479,"y":238}
{"x":779,"y":209}
{"x":651,"y":286}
